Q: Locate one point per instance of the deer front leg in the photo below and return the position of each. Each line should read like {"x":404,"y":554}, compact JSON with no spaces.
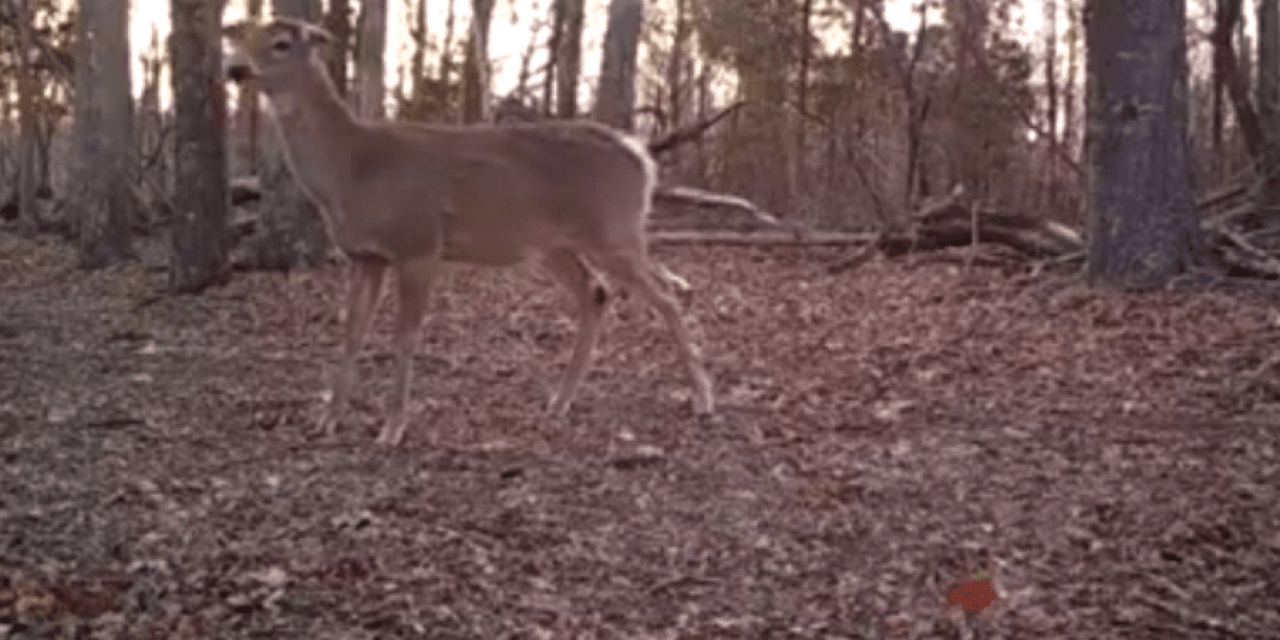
{"x":415,"y":280}
{"x":364,"y":288}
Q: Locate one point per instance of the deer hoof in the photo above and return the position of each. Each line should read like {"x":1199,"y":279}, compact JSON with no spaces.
{"x":704,"y":406}
{"x":327,"y":427}
{"x":391,"y":436}
{"x":558,"y":406}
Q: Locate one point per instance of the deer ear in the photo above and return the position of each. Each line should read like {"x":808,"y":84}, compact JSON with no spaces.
{"x":316,"y":36}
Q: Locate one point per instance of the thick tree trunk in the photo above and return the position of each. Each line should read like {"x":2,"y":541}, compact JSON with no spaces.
{"x":371,"y":96}
{"x":475,"y":71}
{"x":200,"y":235}
{"x":27,"y":88}
{"x":1143,"y":224}
{"x":104,"y":133}
{"x":569,"y":60}
{"x":616,"y":92}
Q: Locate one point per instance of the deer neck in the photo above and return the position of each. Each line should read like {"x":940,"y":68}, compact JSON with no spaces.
{"x":317,"y":129}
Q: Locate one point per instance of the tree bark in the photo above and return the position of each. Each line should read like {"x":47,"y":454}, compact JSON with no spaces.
{"x":104,"y":133}
{"x":569,"y":60}
{"x":27,"y":88}
{"x":616,"y":92}
{"x":200,"y":234}
{"x":475,"y":70}
{"x":1143,"y":224}
{"x":1268,"y":98}
{"x":338,"y":22}
{"x":372,"y":94}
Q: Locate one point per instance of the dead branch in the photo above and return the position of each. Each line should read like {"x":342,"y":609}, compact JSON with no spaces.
{"x":703,"y":198}
{"x":692,"y":131}
{"x":764,"y":238}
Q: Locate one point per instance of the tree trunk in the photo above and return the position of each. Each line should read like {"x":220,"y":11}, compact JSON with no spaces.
{"x":338,"y":22}
{"x":27,"y":89}
{"x":292,"y":232}
{"x":200,"y":235}
{"x":371,"y":54}
{"x":475,"y":70}
{"x":676,"y":68}
{"x":569,"y":60}
{"x":418,"y":59}
{"x":1268,"y":98}
{"x":104,"y":133}
{"x":616,"y":92}
{"x":247,"y":109}
{"x":1144,"y":229}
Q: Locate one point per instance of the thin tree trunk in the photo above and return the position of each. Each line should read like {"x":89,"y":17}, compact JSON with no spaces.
{"x":27,"y":90}
{"x":446,"y":50}
{"x":418,"y":61}
{"x":798,"y":166}
{"x":1051,"y":94}
{"x":104,"y":132}
{"x":569,"y":60}
{"x":616,"y":92}
{"x":200,"y":235}
{"x":553,"y":56}
{"x":247,"y":107}
{"x":1144,"y":226}
{"x":675,"y":71}
{"x":372,"y":47}
{"x":1237,"y":86}
{"x":1268,"y":97}
{"x":475,"y":78}
{"x":338,"y":22}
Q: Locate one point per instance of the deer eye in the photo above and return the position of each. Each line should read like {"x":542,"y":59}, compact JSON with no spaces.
{"x":280,"y":46}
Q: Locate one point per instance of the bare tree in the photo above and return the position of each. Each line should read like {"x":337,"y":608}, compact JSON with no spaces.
{"x":616,"y":92}
{"x":338,"y":22}
{"x":200,"y":236}
{"x":569,"y":58}
{"x":27,"y":89}
{"x":371,"y":53}
{"x":104,"y":133}
{"x":247,"y":108}
{"x":1144,"y":225}
{"x":475,"y":70}
{"x":1268,"y":98}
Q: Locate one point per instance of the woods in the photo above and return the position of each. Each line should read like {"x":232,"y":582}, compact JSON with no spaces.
{"x":842,"y":116}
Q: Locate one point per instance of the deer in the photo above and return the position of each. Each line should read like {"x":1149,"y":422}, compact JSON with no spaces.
{"x":411,"y":198}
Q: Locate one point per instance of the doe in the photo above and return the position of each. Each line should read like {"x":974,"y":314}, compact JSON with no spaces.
{"x":407,"y":198}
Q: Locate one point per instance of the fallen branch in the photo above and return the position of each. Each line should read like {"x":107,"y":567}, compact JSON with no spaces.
{"x":765,"y":238}
{"x":702,"y":198}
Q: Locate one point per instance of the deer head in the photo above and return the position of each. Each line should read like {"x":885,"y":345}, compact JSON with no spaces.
{"x":268,"y":55}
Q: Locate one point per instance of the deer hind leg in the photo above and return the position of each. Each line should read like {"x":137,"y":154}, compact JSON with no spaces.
{"x":592,"y":299}
{"x":415,"y":279}
{"x":634,"y":271}
{"x":364,"y":288}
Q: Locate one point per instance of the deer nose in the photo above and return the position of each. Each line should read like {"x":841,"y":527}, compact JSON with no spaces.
{"x":239,"y":72}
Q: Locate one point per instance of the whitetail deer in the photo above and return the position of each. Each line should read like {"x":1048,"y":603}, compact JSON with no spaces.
{"x":408,"y":197}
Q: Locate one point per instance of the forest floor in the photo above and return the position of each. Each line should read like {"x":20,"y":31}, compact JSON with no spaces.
{"x":893,"y":443}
